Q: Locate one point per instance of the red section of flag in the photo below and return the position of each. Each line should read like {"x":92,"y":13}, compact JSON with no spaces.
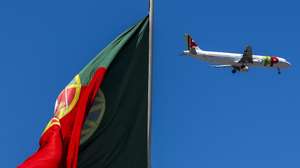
{"x":50,"y":153}
{"x":86,"y":99}
{"x":59,"y":144}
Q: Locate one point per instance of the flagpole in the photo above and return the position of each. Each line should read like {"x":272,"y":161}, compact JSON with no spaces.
{"x":150,"y":80}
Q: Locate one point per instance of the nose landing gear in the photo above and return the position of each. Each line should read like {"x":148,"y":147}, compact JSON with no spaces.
{"x":278,"y":71}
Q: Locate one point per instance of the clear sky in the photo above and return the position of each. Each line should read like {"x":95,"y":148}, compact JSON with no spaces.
{"x":202,"y":117}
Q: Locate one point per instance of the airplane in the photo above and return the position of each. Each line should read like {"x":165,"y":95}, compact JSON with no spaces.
{"x":238,"y":62}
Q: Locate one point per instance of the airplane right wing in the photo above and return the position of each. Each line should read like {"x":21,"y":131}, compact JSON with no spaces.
{"x":247,"y":56}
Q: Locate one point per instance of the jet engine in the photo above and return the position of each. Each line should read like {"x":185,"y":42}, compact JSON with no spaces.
{"x":244,"y":68}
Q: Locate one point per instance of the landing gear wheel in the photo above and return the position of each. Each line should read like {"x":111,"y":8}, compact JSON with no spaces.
{"x":233,"y":71}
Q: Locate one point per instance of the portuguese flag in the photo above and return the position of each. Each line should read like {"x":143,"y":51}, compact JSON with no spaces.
{"x":101,"y":117}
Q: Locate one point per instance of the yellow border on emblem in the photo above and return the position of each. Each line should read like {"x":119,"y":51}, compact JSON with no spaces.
{"x":76,"y":83}
{"x":53,"y":121}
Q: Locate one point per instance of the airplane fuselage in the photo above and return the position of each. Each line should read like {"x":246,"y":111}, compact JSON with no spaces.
{"x":224,"y":58}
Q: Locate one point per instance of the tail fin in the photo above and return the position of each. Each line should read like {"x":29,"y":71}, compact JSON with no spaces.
{"x":191,"y":44}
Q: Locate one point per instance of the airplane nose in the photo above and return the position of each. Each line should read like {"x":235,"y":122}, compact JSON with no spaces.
{"x":284,"y":63}
{"x":287,"y":63}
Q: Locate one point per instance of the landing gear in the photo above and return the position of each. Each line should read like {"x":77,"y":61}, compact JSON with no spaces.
{"x":233,"y":71}
{"x":278,"y":71}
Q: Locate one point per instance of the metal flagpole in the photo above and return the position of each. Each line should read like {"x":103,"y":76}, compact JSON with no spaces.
{"x":150,"y":80}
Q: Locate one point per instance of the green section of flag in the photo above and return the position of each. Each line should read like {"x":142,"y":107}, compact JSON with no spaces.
{"x":120,"y":140}
{"x":104,"y":58}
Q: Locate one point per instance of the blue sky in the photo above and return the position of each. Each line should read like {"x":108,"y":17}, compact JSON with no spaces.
{"x":202,"y":117}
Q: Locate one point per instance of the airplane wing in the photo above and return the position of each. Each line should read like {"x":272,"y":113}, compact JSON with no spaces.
{"x":222,"y":66}
{"x":247,"y":56}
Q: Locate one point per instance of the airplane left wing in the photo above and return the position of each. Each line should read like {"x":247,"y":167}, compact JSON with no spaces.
{"x":247,"y":56}
{"x":222,"y":66}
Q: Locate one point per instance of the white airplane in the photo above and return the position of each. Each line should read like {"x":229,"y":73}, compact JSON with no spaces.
{"x":238,"y":62}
